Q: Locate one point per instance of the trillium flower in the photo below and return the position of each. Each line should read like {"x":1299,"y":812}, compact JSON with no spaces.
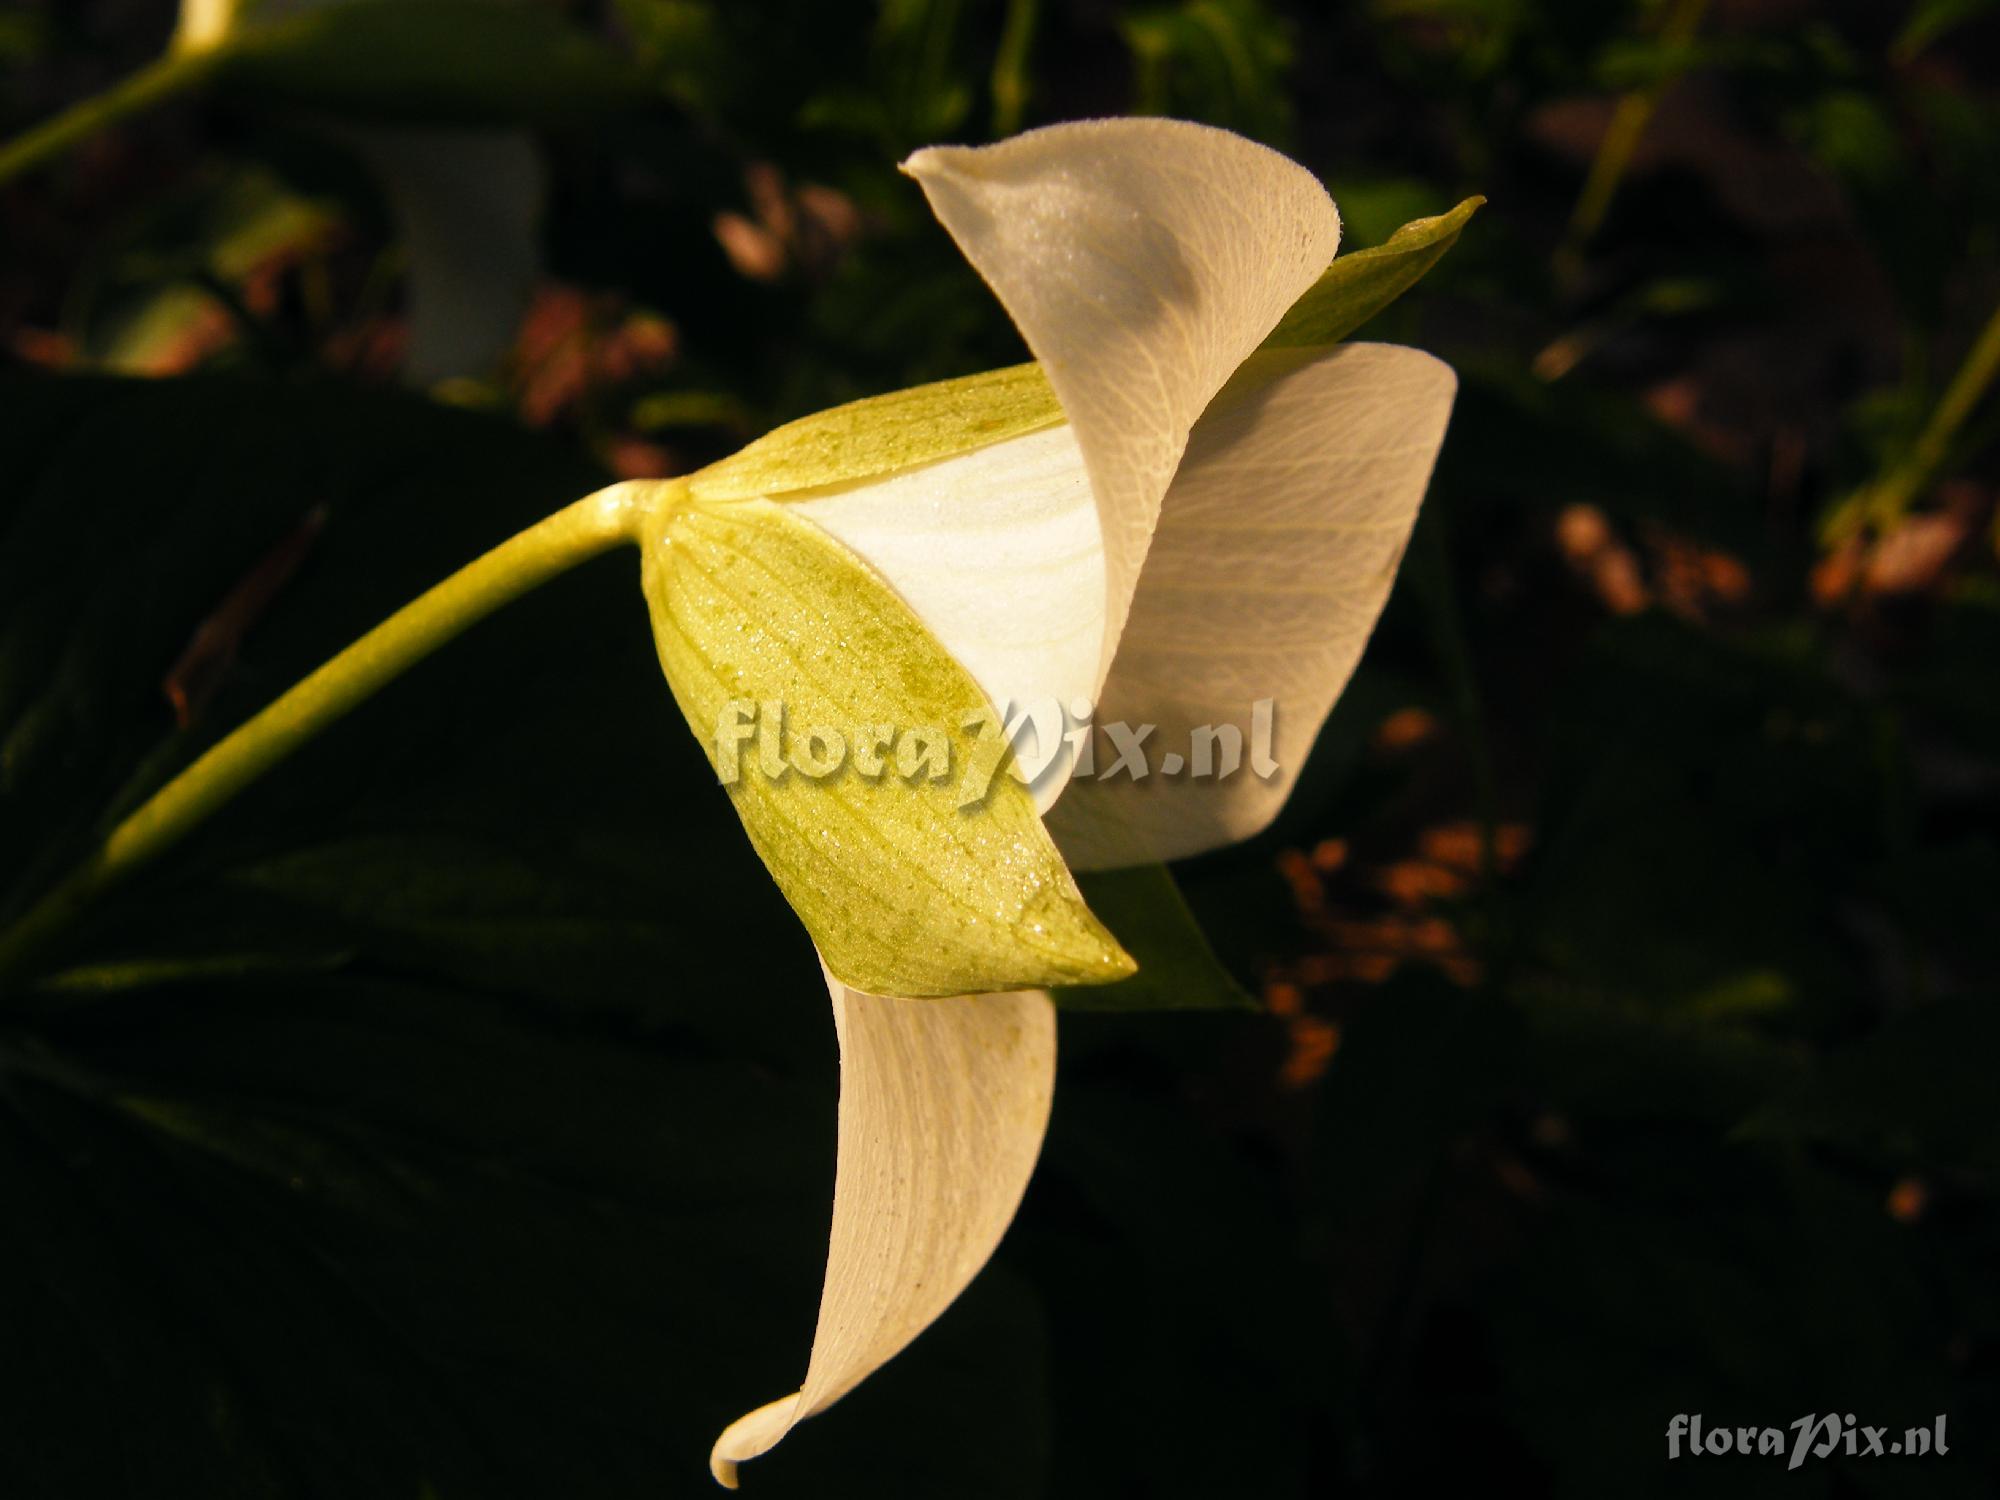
{"x":1192,"y":503}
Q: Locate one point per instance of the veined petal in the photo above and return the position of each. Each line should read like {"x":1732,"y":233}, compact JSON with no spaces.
{"x":1274,"y":556}
{"x":1143,"y":260}
{"x":943,"y":1105}
{"x":999,"y":554}
{"x":916,"y":866}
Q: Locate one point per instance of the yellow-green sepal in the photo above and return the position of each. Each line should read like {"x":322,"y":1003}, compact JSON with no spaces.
{"x":884,"y":434}
{"x":933,"y":875}
{"x":1356,"y":287}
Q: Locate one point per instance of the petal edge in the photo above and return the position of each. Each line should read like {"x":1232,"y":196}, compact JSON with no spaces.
{"x":943,"y":1105}
{"x":1143,"y":260}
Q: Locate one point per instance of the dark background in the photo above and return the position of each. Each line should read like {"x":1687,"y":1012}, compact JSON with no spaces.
{"x":454,"y":1116}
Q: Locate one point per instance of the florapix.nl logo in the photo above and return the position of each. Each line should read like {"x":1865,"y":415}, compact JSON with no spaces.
{"x":1815,"y":1435}
{"x":1034,"y":742}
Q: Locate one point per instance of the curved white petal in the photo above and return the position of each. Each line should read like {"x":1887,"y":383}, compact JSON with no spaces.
{"x":1274,"y":556}
{"x":204,"y":24}
{"x":1143,"y":261}
{"x":469,"y":205}
{"x":943,"y":1105}
{"x":999,"y":554}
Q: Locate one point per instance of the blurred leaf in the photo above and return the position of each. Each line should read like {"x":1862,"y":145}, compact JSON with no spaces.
{"x":1223,"y":62}
{"x":468,"y":62}
{"x":1707,"y":798}
{"x":1930,"y":20}
{"x":1917,"y":1095}
{"x":23,"y":37}
{"x":151,"y":305}
{"x":917,"y":91}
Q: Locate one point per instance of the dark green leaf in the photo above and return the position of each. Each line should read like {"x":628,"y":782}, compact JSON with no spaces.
{"x":442,"y":61}
{"x":1177,"y":968}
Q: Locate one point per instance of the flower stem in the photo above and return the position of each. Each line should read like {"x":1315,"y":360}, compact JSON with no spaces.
{"x":1884,"y":503}
{"x":573,"y":535}
{"x":1621,"y":139}
{"x":161,"y":80}
{"x":1010,"y":66}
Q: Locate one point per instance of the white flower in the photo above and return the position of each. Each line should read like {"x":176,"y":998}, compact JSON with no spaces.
{"x":467,"y":202}
{"x":1210,"y":526}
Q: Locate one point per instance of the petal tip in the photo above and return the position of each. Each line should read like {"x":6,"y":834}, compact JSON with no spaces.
{"x":751,"y":1434}
{"x":930,"y":161}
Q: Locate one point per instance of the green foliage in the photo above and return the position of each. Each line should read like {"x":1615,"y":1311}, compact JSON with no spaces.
{"x":433,"y":61}
{"x":1224,"y":61}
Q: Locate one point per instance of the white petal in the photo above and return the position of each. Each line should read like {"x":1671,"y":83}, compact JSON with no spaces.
{"x":999,"y":554}
{"x":204,"y":23}
{"x":1143,"y":261}
{"x":943,"y":1105}
{"x":469,"y":206}
{"x":1274,"y":556}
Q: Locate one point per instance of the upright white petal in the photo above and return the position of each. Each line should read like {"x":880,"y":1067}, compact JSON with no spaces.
{"x":1274,"y":556}
{"x":943,"y":1105}
{"x":1143,"y":260}
{"x":469,"y":205}
{"x":204,"y":23}
{"x":467,"y":202}
{"x":998,"y":552}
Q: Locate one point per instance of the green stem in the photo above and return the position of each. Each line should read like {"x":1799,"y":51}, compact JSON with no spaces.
{"x":1622,"y":136}
{"x":523,"y":562}
{"x":1010,"y":66}
{"x":1883,"y":503}
{"x":1961,"y":398}
{"x":176,"y":73}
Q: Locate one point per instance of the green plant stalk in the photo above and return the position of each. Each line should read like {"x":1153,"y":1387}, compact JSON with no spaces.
{"x":1621,"y":138}
{"x":166,"y":78}
{"x":1908,"y":479}
{"x":1010,"y":66}
{"x":550,"y":547}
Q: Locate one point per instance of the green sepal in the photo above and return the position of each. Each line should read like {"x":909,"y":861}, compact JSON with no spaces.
{"x":1356,"y":287}
{"x":1178,"y":970}
{"x":939,"y":883}
{"x":883,"y":434}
